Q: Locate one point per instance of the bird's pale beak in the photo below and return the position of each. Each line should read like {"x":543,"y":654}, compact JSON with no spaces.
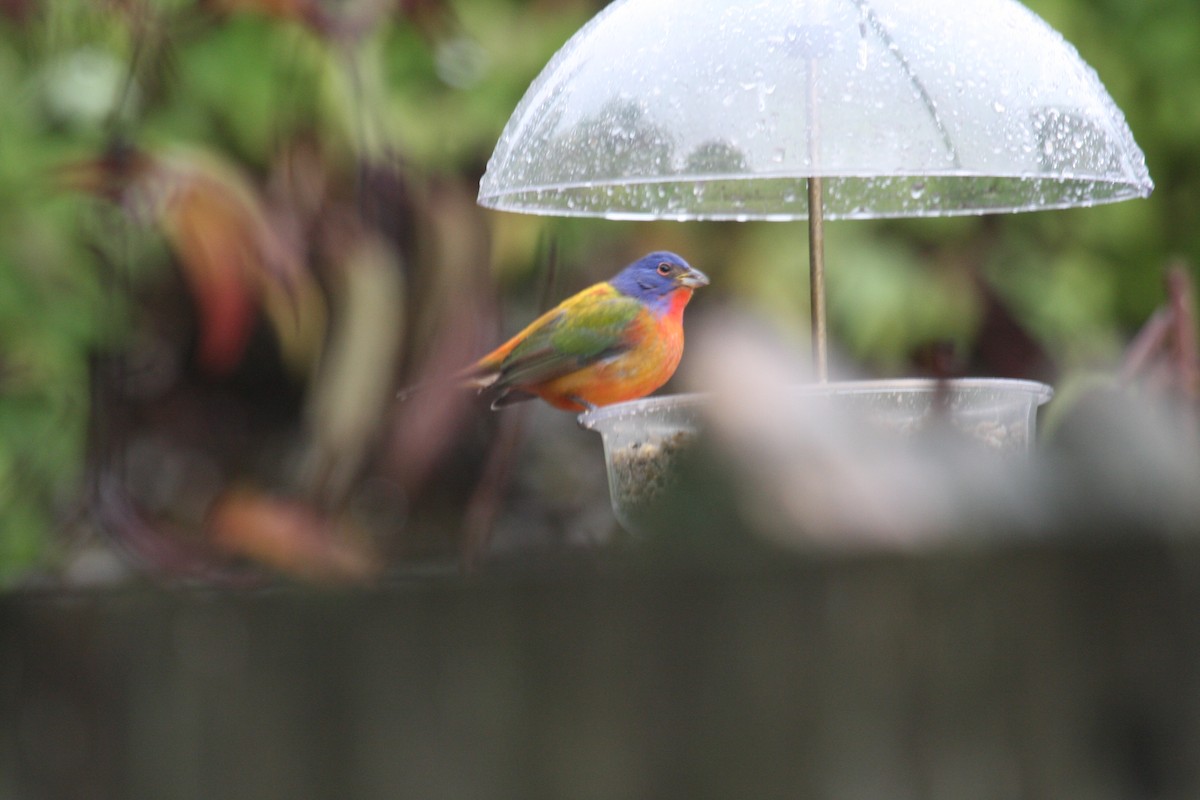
{"x":692,"y":279}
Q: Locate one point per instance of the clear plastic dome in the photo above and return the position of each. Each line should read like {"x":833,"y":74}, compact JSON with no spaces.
{"x":720,"y":109}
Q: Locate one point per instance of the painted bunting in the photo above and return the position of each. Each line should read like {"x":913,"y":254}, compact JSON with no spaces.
{"x":614,"y":341}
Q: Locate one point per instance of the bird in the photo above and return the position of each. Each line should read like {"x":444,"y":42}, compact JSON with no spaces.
{"x":617,"y":340}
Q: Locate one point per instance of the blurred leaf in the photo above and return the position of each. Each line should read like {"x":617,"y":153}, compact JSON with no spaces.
{"x":354,"y":383}
{"x":254,"y":79}
{"x":231,"y":252}
{"x":885,"y":303}
{"x":289,"y":537}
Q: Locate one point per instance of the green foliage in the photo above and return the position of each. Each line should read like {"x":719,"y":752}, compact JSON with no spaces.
{"x":53,"y":315}
{"x":245,"y":83}
{"x":437,"y":92}
{"x":1143,"y":54}
{"x":54,"y":310}
{"x":886,"y":300}
{"x":434,"y":89}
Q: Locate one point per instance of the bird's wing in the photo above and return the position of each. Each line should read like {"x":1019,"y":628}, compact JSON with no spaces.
{"x":584,"y":329}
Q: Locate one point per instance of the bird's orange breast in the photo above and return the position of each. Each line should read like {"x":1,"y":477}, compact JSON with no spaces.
{"x":655,"y":349}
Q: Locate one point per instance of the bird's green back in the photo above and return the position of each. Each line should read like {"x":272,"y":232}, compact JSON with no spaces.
{"x":585,"y":328}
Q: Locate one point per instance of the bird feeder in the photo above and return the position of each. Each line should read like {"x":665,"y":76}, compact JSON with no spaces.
{"x":813,"y":109}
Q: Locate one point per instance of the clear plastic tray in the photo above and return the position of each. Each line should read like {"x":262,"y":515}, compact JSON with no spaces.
{"x":643,"y":439}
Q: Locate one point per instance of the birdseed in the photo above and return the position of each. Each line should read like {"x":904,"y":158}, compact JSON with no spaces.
{"x":643,"y":471}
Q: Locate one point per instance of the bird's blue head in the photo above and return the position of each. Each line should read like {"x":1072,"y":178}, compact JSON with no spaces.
{"x":655,"y":276}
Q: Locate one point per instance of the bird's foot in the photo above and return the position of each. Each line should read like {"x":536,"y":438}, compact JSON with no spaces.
{"x":586,"y":405}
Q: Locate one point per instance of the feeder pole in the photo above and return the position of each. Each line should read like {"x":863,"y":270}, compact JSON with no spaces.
{"x":816,"y":278}
{"x":816,"y":232}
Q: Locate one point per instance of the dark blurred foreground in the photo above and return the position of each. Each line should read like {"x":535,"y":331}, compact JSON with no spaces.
{"x":1064,"y":671}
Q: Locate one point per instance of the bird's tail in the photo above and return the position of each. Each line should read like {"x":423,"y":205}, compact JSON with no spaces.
{"x":473,"y":377}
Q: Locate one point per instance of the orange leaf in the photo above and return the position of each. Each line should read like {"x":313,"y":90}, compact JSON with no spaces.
{"x":288,"y":536}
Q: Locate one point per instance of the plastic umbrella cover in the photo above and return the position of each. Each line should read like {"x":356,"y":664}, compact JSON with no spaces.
{"x":720,"y":109}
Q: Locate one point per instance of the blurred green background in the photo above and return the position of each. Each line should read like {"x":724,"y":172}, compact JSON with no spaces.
{"x":199,"y":417}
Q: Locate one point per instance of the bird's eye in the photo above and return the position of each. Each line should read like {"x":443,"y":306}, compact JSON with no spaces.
{"x":664,"y":268}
